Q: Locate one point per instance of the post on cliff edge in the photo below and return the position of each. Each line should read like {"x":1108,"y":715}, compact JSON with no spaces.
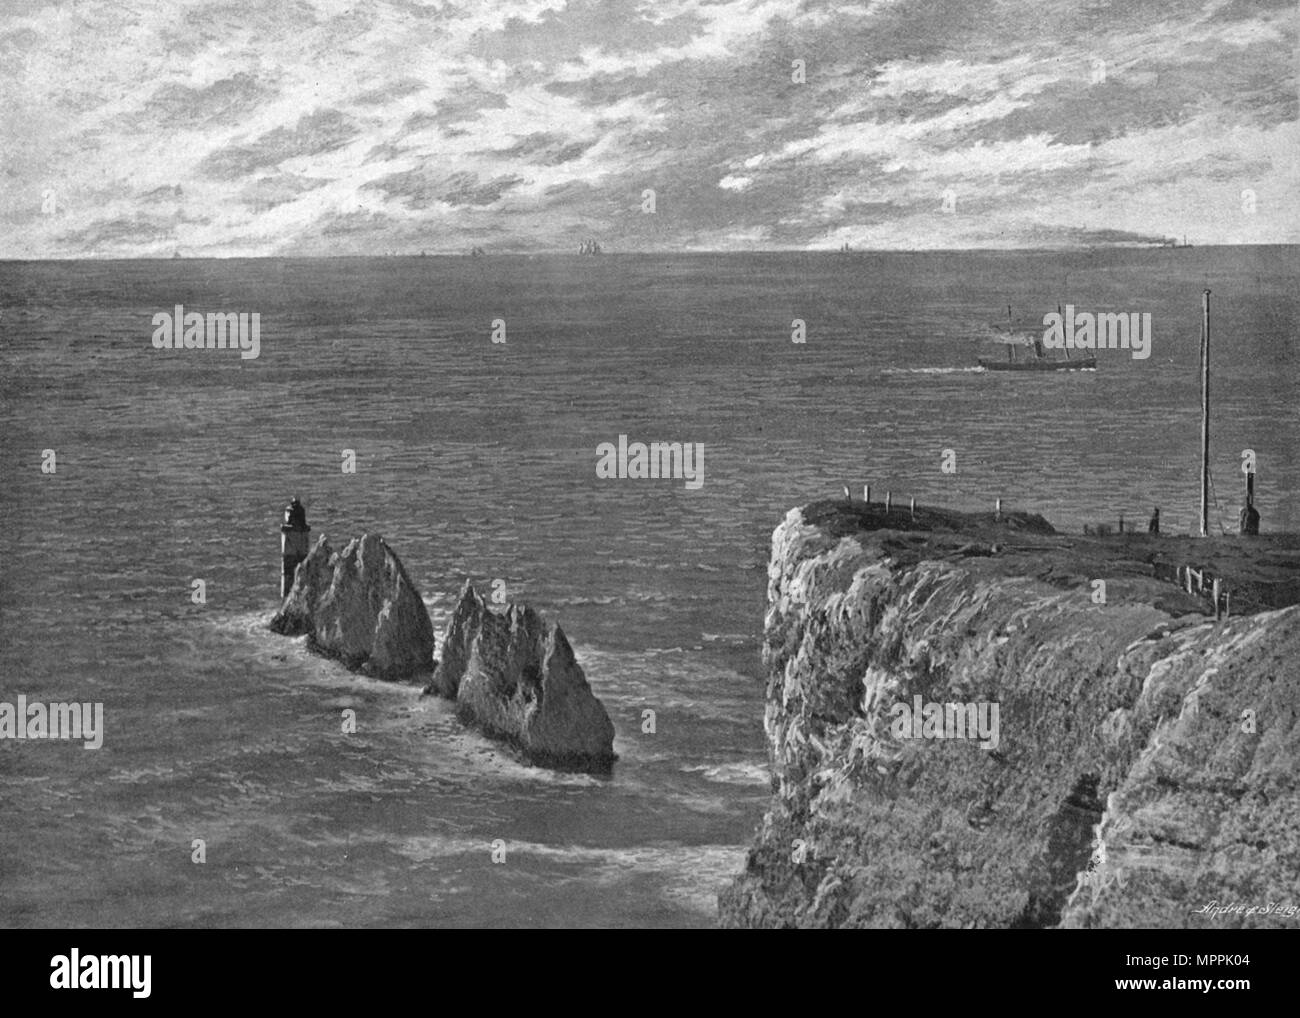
{"x":1248,"y":522}
{"x":293,"y":543}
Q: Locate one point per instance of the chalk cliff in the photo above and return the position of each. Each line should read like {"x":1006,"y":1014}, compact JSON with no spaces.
{"x":515,"y":677}
{"x":359,"y":606}
{"x":1146,"y":762}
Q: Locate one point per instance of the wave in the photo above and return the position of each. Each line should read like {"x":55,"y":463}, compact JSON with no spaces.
{"x":932,"y":371}
{"x":688,"y":875}
{"x":737,"y":639}
{"x":733,"y":773}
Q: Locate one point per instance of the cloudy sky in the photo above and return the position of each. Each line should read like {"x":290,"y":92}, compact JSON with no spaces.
{"x":258,"y":127}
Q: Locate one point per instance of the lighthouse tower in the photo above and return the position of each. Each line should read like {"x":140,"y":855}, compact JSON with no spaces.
{"x":293,"y":542}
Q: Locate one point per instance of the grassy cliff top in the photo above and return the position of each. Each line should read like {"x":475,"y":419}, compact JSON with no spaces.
{"x":1259,"y":573}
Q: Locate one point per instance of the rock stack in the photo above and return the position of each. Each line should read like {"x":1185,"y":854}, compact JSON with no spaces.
{"x":359,"y":606}
{"x":515,"y":677}
{"x":511,"y":674}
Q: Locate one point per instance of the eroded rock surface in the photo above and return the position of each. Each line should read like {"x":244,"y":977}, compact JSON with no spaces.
{"x":515,"y":677}
{"x":359,"y":606}
{"x":1128,"y":786}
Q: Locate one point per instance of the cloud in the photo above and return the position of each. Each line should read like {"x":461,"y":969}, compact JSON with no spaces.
{"x":424,"y":188}
{"x":545,"y":149}
{"x":221,"y":102}
{"x":228,"y":128}
{"x":314,"y":134}
{"x":275,"y":189}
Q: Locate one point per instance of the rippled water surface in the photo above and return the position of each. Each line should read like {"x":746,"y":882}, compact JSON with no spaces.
{"x":477,"y":460}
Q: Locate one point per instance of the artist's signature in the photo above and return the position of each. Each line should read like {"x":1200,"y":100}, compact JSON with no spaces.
{"x":1273,"y":908}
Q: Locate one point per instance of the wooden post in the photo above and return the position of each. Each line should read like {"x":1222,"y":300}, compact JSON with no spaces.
{"x":913,"y":508}
{"x":888,"y":498}
{"x":997,"y":510}
{"x":1249,"y":521}
{"x":866,"y":493}
{"x":1218,"y":608}
{"x":1205,"y":415}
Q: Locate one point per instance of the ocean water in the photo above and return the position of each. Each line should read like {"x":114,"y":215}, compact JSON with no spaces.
{"x":477,"y":460}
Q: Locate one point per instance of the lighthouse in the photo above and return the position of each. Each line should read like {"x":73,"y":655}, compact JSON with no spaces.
{"x":293,"y":542}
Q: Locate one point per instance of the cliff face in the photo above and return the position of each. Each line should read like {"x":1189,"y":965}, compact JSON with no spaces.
{"x":1144,"y":757}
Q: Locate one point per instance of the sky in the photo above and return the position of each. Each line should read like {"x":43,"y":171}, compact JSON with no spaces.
{"x":222,"y":128}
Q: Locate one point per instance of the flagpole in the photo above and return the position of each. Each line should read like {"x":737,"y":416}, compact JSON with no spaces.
{"x":1205,"y":414}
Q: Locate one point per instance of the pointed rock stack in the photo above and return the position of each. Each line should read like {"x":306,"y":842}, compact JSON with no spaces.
{"x":359,"y":606}
{"x":511,"y":674}
{"x":515,"y":677}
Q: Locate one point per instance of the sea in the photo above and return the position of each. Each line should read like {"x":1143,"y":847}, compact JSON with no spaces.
{"x":227,"y":792}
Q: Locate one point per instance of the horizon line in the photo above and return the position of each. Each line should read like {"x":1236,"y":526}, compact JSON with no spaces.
{"x":553,"y":252}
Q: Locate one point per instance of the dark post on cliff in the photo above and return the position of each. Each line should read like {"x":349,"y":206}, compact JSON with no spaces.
{"x":1248,"y":522}
{"x":293,"y":542}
